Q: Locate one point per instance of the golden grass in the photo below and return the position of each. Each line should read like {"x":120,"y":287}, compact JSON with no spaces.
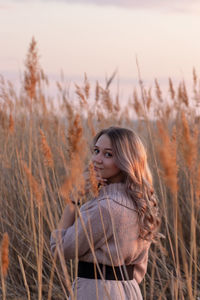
{"x":44,"y":154}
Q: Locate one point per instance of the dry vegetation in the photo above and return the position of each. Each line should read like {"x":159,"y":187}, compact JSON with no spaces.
{"x":43,"y":153}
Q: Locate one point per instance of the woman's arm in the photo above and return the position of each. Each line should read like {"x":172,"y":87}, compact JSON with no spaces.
{"x":68,"y":217}
{"x":92,"y":229}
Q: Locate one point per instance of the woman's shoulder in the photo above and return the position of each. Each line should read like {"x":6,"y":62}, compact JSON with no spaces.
{"x":111,"y":195}
{"x":116,"y":193}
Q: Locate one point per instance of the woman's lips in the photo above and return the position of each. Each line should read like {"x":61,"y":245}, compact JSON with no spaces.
{"x":97,"y":169}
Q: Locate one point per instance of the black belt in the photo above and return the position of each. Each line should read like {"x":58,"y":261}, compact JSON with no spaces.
{"x":90,"y":270}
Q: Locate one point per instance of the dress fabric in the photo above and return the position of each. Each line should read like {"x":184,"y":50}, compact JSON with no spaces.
{"x":92,"y":289}
{"x":109,"y":223}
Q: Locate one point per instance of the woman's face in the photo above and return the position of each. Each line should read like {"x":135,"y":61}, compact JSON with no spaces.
{"x":104,"y":160}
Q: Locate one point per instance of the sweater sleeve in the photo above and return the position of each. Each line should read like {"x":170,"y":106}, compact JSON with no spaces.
{"x":141,"y":267}
{"x":92,"y":229}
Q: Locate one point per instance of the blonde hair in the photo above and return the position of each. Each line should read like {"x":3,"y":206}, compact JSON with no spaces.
{"x":131,"y":158}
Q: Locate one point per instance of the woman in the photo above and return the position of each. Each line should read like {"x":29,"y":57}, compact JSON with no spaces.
{"x":116,"y":228}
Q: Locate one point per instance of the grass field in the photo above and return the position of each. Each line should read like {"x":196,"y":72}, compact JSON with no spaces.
{"x":43,"y":152}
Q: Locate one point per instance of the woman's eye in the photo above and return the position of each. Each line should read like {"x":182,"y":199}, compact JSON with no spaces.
{"x":96,"y":151}
{"x":108,"y":154}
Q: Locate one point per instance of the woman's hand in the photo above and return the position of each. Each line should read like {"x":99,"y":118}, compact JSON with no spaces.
{"x":90,"y":176}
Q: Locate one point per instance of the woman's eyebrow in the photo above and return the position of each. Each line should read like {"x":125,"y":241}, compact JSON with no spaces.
{"x":104,"y":148}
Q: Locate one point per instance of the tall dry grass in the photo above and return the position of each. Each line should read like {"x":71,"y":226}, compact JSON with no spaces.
{"x":43,"y":153}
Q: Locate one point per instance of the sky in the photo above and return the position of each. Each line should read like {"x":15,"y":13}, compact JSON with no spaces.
{"x":101,"y":36}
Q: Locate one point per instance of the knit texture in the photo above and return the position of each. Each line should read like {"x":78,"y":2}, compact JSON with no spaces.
{"x":108,"y":224}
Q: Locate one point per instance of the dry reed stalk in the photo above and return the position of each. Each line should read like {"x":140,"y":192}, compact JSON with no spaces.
{"x":182,"y":94}
{"x":158,"y":91}
{"x":93,"y":180}
{"x":34,"y":185}
{"x":149,"y":99}
{"x":106,"y":100}
{"x":171,"y":89}
{"x":194,"y":77}
{"x":100,"y":116}
{"x":185,"y":262}
{"x":86,"y":86}
{"x":74,"y":180}
{"x":189,"y":143}
{"x":167,"y":154}
{"x":74,"y":184}
{"x":197,"y":187}
{"x":116,"y":106}
{"x":75,"y":133}
{"x":70,"y":110}
{"x":5,"y":254}
{"x":90,"y":124}
{"x":110,"y":79}
{"x":47,"y":154}
{"x":11,"y":124}
{"x":137,"y":104}
{"x":3,"y":118}
{"x":80,"y":95}
{"x":44,"y":106}
{"x":196,"y":94}
{"x":24,"y":277}
{"x":97,"y":91}
{"x":31,"y":75}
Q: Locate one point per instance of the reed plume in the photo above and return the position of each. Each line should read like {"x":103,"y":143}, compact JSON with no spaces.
{"x":5,"y":254}
{"x":167,"y":155}
{"x":171,"y":89}
{"x":80,"y":94}
{"x":75,"y":133}
{"x":189,"y":143}
{"x":106,"y":100}
{"x":137,"y":104}
{"x":47,"y":154}
{"x":93,"y":180}
{"x":182,"y":94}
{"x":74,"y":181}
{"x":197,"y":187}
{"x":158,"y":91}
{"x":34,"y":185}
{"x":31,"y":74}
{"x":11,"y":124}
{"x":97,"y":91}
{"x":86,"y":86}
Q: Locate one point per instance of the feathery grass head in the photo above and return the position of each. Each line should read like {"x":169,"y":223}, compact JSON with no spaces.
{"x":5,"y":254}
{"x":11,"y":124}
{"x":171,"y":89}
{"x":167,"y":154}
{"x":34,"y":185}
{"x":93,"y":180}
{"x":47,"y":154}
{"x":158,"y":91}
{"x":31,"y":75}
{"x":189,"y":143}
{"x":86,"y":86}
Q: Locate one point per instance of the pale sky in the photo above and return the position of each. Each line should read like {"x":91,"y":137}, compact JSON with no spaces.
{"x":99,"y":36}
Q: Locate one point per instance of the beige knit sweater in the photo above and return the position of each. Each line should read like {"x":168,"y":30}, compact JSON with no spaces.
{"x":109,"y":223}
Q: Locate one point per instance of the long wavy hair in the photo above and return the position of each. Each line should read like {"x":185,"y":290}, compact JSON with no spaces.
{"x":131,"y":158}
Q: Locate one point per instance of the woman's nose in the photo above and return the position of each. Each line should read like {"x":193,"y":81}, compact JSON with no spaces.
{"x":98,"y":158}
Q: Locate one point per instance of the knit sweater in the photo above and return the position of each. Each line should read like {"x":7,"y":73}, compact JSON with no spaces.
{"x":108,"y":224}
